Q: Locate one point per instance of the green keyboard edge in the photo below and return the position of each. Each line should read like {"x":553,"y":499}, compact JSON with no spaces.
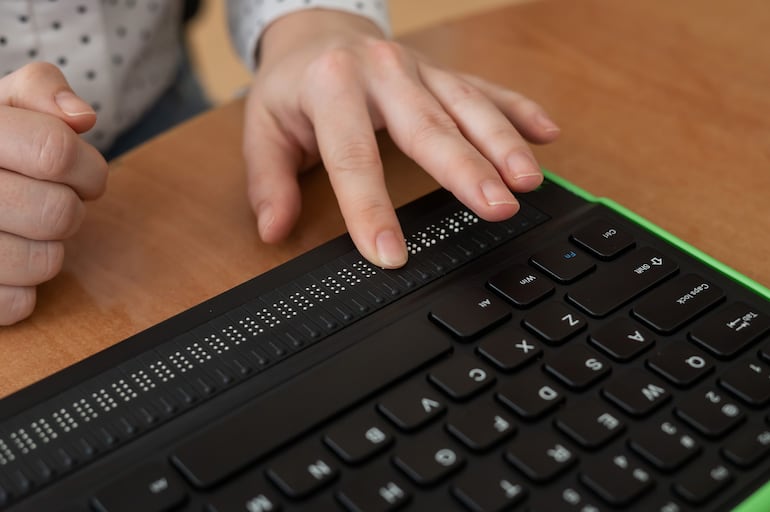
{"x":759,"y":501}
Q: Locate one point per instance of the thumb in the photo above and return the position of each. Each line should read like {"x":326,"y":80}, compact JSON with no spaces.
{"x":41,"y":87}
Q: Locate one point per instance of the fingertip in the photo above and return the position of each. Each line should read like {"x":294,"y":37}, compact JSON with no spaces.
{"x":391,"y":249}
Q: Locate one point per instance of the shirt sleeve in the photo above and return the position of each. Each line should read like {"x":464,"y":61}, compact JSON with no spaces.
{"x":248,"y":18}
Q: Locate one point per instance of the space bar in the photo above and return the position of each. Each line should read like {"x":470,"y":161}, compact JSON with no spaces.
{"x":287,"y":412}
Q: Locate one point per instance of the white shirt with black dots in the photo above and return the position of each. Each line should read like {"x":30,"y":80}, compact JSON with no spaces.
{"x":120,"y":55}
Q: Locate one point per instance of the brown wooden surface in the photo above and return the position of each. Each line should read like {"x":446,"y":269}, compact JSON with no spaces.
{"x":664,"y":106}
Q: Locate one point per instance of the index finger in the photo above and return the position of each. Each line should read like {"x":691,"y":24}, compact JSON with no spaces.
{"x":43,"y":147}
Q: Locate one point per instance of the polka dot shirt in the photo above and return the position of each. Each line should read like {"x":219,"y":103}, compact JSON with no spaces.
{"x":120,"y":55}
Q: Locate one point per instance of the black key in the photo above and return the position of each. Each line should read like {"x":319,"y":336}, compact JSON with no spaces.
{"x":250,"y":493}
{"x":765,"y":352}
{"x":710,"y":413}
{"x":577,"y":366}
{"x":616,"y":479}
{"x":152,"y":487}
{"x":621,"y":338}
{"x":747,"y":447}
{"x":636,"y":392}
{"x":301,"y":472}
{"x":285,"y":413}
{"x":358,"y":438}
{"x":618,"y":282}
{"x":677,"y":302}
{"x":412,"y":406}
{"x":469,"y":312}
{"x":749,"y":381}
{"x":488,"y":491}
{"x":428,"y":461}
{"x":568,"y":499}
{"x":731,"y":329}
{"x":529,"y":394}
{"x":699,"y":483}
{"x":603,"y":238}
{"x":461,"y":376}
{"x":509,"y":348}
{"x":562,"y":262}
{"x":589,"y":423}
{"x":481,"y":425}
{"x":667,"y":446}
{"x":540,"y":455}
{"x":374,"y":490}
{"x":554,"y":322}
{"x":521,"y":286}
{"x":681,"y":363}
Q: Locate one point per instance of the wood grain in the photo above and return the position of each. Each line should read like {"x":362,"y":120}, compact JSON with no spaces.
{"x":663,"y":107}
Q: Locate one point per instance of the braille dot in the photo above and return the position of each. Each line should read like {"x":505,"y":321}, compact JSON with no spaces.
{"x":56,"y":25}
{"x":62,"y":61}
{"x":117,"y":60}
{"x":3,"y":41}
{"x":82,"y":9}
{"x":90,"y":74}
{"x":32,"y":53}
{"x":121,"y":31}
{"x":85,"y":39}
{"x":23,"y":18}
{"x":96,"y":106}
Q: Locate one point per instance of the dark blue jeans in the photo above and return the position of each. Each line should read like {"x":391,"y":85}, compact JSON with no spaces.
{"x":183,"y":100}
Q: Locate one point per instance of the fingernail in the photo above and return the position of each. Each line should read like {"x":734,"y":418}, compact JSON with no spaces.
{"x":390,"y":249}
{"x":71,"y":105}
{"x":525,"y":170}
{"x":546,"y":124}
{"x":496,"y":193}
{"x":265,"y":218}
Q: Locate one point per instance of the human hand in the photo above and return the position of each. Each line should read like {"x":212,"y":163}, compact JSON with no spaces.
{"x":46,"y":172}
{"x":328,"y":80}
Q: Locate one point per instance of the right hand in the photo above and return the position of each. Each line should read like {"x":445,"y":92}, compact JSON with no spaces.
{"x":47,"y":171}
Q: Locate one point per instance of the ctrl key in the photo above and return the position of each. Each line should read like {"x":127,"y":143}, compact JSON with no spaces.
{"x":152,"y":487}
{"x":247,"y":494}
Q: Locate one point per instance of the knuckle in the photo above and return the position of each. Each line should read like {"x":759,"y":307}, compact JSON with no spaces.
{"x":16,"y":304}
{"x":36,"y":72}
{"x":45,"y":260}
{"x":56,"y":149}
{"x":331,"y":65}
{"x":353,"y":156}
{"x":61,"y":213}
{"x":429,"y":125}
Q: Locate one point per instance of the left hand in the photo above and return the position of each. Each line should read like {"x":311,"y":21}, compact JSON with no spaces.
{"x":328,"y":80}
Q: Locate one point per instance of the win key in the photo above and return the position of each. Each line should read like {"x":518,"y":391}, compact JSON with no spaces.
{"x":618,"y":282}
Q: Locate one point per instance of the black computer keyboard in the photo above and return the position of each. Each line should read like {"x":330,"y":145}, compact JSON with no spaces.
{"x":564,"y":360}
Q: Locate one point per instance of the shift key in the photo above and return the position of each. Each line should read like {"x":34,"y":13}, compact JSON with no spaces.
{"x":616,"y":283}
{"x":285,"y":413}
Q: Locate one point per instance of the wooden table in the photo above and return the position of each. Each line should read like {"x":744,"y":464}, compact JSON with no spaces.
{"x":664,"y":106}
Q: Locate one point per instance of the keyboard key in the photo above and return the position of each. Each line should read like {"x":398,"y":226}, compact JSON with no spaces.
{"x":286,"y":412}
{"x":749,"y":381}
{"x":554,"y":322}
{"x":681,"y":364}
{"x":699,"y":483}
{"x":710,"y":413}
{"x":250,"y":493}
{"x":748,"y":446}
{"x":603,"y":238}
{"x":731,"y":329}
{"x":619,"y":281}
{"x":300,"y":472}
{"x":622,"y":339}
{"x":151,"y":487}
{"x":590,"y":423}
{"x":521,"y":286}
{"x":481,"y":425}
{"x":667,"y":446}
{"x":616,"y":479}
{"x":461,"y":377}
{"x":677,"y":302}
{"x":540,"y":455}
{"x":469,"y":312}
{"x":359,"y":438}
{"x":563,"y":263}
{"x":509,"y":348}
{"x":577,"y":366}
{"x":412,"y":406}
{"x":568,"y":499}
{"x":636,"y":392}
{"x":530,"y":394}
{"x":428,"y":461}
{"x":374,"y":490}
{"x":488,"y":491}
